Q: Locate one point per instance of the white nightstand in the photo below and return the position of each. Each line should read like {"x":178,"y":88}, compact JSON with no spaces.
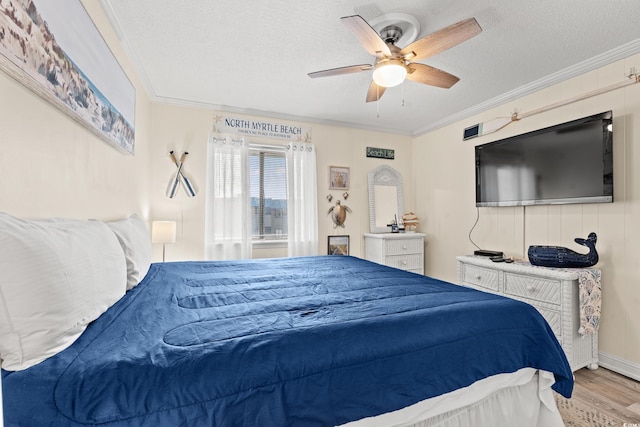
{"x":400,"y":250}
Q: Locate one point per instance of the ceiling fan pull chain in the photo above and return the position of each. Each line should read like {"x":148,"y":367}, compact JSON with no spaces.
{"x":378,"y":102}
{"x":403,"y":94}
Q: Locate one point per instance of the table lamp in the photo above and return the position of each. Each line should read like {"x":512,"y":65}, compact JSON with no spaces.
{"x":163,"y":232}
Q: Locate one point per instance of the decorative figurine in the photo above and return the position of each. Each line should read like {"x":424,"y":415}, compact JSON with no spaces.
{"x":329,"y":198}
{"x":410,"y":221}
{"x":557,"y":256}
{"x":339,"y":214}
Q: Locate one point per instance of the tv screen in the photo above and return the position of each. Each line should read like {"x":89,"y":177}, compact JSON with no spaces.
{"x":567,"y":163}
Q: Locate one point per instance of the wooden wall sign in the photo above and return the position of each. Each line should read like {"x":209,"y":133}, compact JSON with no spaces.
{"x":380,"y":153}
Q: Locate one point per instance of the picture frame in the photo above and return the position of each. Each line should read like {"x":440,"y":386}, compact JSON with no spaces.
{"x":55,"y":50}
{"x":339,"y":178}
{"x":338,"y":245}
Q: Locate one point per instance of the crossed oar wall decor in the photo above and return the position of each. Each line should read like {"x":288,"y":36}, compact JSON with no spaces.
{"x":179,"y":178}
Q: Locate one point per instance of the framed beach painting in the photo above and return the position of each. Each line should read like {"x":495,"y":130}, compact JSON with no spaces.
{"x":54,"y":49}
{"x":338,"y":245}
{"x":339,"y":177}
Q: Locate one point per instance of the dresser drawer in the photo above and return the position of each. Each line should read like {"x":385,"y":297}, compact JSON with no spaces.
{"x":405,"y":252}
{"x":483,"y":277}
{"x":554,"y":319}
{"x":405,"y":262}
{"x":403,"y":246}
{"x":533,"y":288}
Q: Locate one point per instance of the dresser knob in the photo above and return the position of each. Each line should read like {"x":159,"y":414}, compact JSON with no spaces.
{"x":530,"y":288}
{"x":404,"y":246}
{"x":478,"y":277}
{"x":404,"y":262}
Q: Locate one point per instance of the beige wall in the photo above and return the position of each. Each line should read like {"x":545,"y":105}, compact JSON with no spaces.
{"x":182,"y":128}
{"x":52,"y":166}
{"x":444,"y":165}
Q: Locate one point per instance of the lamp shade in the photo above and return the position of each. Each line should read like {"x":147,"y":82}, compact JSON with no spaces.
{"x":389,"y":73}
{"x":163,"y":232}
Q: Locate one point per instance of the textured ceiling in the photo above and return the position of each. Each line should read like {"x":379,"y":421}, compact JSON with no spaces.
{"x":253,"y":56}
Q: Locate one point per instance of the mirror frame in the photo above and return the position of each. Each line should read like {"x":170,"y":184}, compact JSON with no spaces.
{"x":386,"y":176}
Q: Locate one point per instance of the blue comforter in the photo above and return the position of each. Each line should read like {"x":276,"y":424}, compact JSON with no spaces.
{"x":311,"y":341}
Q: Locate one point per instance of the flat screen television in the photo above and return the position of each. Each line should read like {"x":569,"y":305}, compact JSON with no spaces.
{"x":567,"y":163}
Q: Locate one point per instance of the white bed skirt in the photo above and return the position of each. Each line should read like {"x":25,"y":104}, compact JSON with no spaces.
{"x":523,"y":398}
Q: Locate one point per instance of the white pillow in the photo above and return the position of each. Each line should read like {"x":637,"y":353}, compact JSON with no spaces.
{"x":135,"y":240}
{"x":56,"y":277}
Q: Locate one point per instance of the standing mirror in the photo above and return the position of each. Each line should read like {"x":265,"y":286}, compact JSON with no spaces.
{"x":385,"y":198}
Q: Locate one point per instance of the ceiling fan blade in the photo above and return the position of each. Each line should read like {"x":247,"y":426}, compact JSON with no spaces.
{"x":441,"y":40}
{"x":341,"y":70}
{"x":368,"y":37}
{"x":375,"y":92}
{"x":428,"y":75}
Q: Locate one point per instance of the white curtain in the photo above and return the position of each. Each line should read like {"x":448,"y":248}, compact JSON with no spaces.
{"x":302,"y":209}
{"x":227,"y":212}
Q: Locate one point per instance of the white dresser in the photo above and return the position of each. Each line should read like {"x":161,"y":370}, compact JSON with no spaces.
{"x":553,"y":292}
{"x":400,"y":250}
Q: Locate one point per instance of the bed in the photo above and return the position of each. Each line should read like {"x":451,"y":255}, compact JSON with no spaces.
{"x":308,"y":341}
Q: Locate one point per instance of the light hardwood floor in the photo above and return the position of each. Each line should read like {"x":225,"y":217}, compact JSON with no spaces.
{"x":602,"y":398}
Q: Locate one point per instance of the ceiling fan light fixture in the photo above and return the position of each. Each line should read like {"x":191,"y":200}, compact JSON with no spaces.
{"x":389,"y":73}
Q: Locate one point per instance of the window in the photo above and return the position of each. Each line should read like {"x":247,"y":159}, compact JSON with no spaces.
{"x":268,"y":192}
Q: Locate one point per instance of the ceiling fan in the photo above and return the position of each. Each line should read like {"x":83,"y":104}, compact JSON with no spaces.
{"x":394,"y":64}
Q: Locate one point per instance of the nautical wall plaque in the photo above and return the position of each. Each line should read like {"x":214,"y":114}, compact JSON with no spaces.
{"x":223,"y":123}
{"x":381,"y":153}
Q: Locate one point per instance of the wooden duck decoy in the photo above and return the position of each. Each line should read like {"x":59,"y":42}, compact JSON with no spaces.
{"x":558,"y":256}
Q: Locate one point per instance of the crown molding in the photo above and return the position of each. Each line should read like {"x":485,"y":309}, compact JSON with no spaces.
{"x":273,"y":115}
{"x":580,"y":68}
{"x":139,"y":69}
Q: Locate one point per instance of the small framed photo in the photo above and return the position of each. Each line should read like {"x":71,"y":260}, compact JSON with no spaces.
{"x":338,"y":245}
{"x":339,"y":177}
